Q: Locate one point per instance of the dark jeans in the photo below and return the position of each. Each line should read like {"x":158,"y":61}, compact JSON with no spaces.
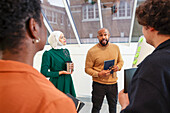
{"x":98,"y":94}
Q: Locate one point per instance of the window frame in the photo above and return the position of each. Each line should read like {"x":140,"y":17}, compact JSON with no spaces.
{"x":116,"y":16}
{"x":94,"y":11}
{"x":53,"y":16}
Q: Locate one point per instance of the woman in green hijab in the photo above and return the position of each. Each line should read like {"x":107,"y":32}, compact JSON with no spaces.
{"x":54,"y":64}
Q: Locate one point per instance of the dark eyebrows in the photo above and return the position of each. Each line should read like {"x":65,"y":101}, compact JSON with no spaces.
{"x":99,"y":33}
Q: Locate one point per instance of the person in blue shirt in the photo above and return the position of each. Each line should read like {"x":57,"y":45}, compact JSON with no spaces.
{"x":149,"y":90}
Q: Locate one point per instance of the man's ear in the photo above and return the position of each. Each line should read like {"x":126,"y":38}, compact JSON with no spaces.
{"x":109,"y":34}
{"x":152,"y":29}
{"x":33,"y":28}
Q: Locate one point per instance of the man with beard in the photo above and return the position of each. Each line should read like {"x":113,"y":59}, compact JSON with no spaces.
{"x":104,"y":83}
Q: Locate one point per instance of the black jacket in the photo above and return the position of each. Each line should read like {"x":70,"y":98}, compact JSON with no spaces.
{"x":149,"y":90}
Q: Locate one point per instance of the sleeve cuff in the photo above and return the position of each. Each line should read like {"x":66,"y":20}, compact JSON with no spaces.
{"x":119,"y":67}
{"x":96,"y":74}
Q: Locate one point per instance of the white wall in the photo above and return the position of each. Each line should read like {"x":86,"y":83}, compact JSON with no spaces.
{"x":82,"y":81}
{"x":146,"y":49}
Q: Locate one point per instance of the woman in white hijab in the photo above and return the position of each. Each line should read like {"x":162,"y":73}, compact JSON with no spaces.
{"x":54,"y":64}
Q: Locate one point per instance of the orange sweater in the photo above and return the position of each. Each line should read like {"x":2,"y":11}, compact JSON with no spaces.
{"x":24,"y":90}
{"x":95,"y":62}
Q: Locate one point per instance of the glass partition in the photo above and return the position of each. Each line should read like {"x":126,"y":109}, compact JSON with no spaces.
{"x":57,"y":18}
{"x":79,"y":20}
{"x":117,"y":17}
{"x":86,"y":18}
{"x":137,"y":29}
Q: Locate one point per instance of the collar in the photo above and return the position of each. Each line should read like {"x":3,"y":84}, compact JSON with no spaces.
{"x":163,"y":45}
{"x":60,"y":47}
{"x":14,"y":66}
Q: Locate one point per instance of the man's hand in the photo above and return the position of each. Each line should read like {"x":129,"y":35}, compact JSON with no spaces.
{"x":104,"y":73}
{"x":115,"y":68}
{"x":123,"y":99}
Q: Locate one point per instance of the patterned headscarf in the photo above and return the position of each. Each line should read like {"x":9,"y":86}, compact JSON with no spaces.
{"x":53,"y":39}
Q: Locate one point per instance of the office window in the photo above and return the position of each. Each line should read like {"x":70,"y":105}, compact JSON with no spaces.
{"x":48,"y":13}
{"x":86,"y":19}
{"x":62,"y":19}
{"x":84,"y":12}
{"x":51,"y":16}
{"x":128,"y":10}
{"x":137,"y":28}
{"x":57,"y":19}
{"x":124,"y":10}
{"x":117,"y":19}
{"x":90,"y":12}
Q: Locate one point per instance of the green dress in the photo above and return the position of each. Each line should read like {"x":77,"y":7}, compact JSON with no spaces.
{"x":54,"y":61}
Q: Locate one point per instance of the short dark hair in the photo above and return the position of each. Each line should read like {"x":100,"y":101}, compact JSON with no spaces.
{"x":156,"y":14}
{"x":15,"y":15}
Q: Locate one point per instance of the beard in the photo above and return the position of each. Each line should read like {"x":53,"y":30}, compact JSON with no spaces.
{"x":104,"y":43}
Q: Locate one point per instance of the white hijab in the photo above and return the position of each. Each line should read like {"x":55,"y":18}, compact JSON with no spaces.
{"x":53,"y":40}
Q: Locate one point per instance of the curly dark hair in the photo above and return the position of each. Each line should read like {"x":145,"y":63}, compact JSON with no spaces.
{"x":156,"y":14}
{"x":15,"y":15}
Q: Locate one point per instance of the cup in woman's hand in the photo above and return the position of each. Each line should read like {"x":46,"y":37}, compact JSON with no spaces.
{"x":69,"y":65}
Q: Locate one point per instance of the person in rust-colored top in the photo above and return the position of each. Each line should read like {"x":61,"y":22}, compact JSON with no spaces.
{"x":104,"y":82}
{"x":22,"y":88}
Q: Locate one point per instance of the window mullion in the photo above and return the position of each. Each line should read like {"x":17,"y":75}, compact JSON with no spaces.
{"x":118,"y":11}
{"x":87,"y":10}
{"x":52,"y":16}
{"x":94,"y":12}
{"x":126,"y":9}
